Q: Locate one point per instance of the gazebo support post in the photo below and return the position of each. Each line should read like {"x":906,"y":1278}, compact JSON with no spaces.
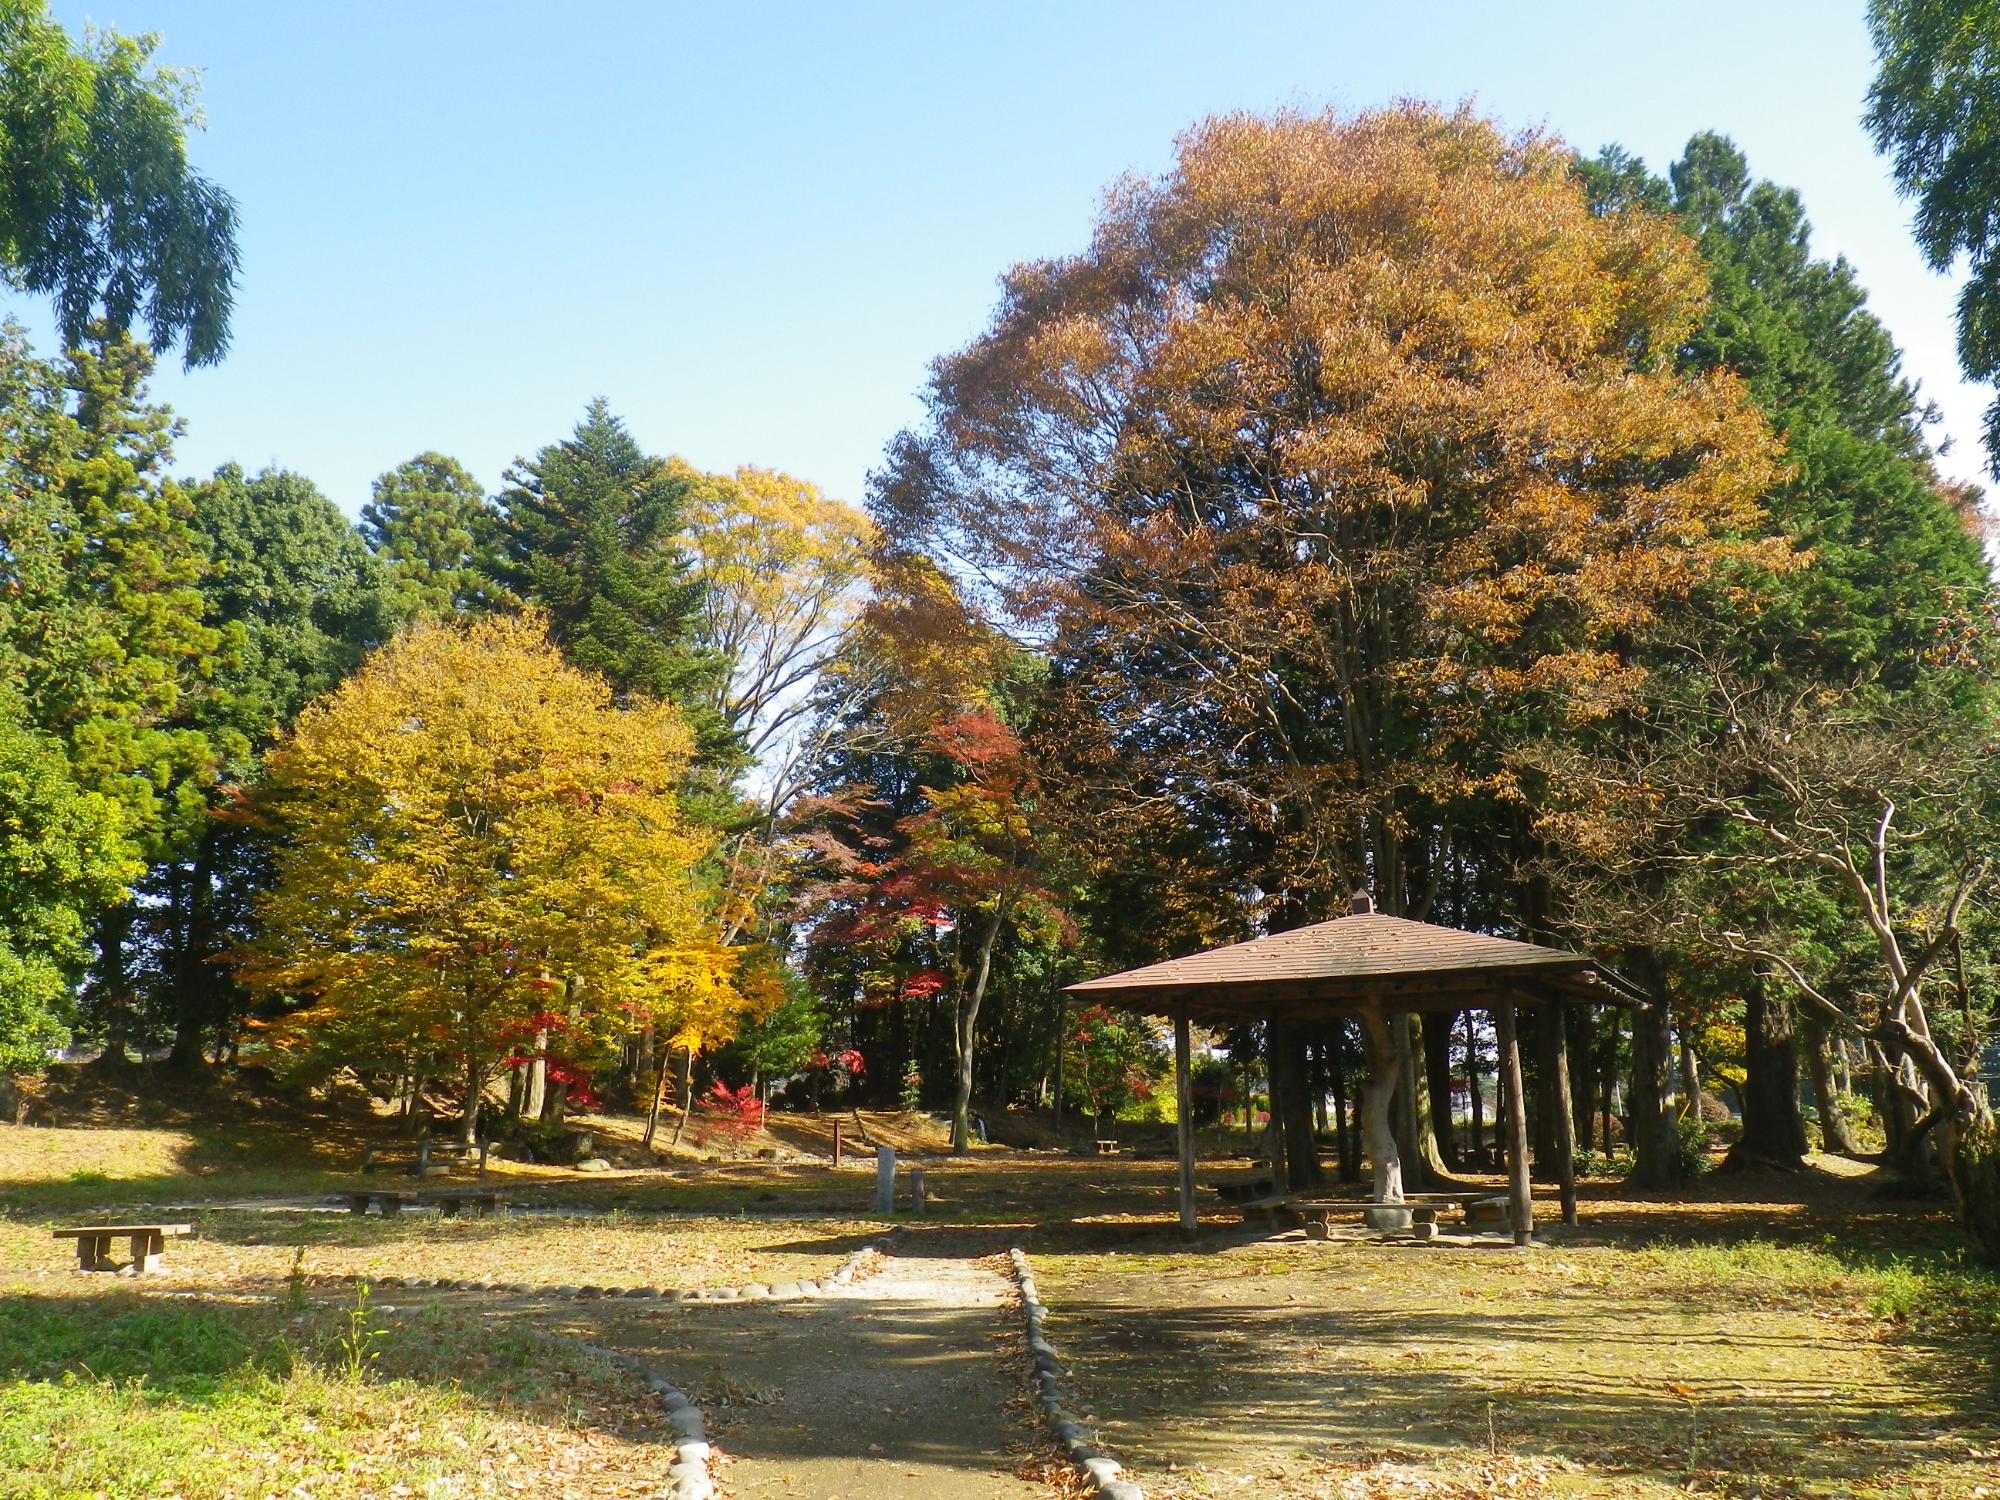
{"x":1565,"y":1121}
{"x":1520,"y":1201}
{"x":1184,"y":1119}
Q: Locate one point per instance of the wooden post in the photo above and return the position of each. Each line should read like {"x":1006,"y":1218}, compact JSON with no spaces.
{"x":1520,"y":1201}
{"x":1565,"y":1121}
{"x":836,"y":1145}
{"x":918,"y":1200}
{"x":1184,"y":1119}
{"x":885,"y":1181}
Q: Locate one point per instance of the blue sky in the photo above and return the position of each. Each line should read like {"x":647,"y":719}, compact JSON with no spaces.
{"x":750,"y":227}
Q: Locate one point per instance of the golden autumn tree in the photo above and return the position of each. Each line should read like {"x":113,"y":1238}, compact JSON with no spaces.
{"x":474,"y":836}
{"x":1349,"y":449}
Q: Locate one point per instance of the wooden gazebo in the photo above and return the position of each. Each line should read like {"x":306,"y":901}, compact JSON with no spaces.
{"x":1370,"y":966}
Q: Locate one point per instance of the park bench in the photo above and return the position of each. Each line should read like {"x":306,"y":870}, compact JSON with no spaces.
{"x":1107,"y":1148}
{"x":149,"y":1243}
{"x":1249,"y":1187}
{"x":1319,"y":1214}
{"x":388,"y":1201}
{"x":449,"y":1201}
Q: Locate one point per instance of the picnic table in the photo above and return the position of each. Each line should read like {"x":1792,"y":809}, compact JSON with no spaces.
{"x":419,"y":1155}
{"x":148,"y":1241}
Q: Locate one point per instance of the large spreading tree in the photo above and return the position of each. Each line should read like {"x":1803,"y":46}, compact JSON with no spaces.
{"x":1347,"y":451}
{"x":476,"y":836}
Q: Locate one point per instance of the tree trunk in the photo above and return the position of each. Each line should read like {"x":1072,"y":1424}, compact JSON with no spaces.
{"x":538,"y":1078}
{"x":194,"y":978}
{"x":1690,"y":1075}
{"x":1416,"y":1141}
{"x":1437,"y":1027}
{"x":1774,"y":1132}
{"x":686,"y":1092}
{"x":1655,"y":1137}
{"x":475,"y":1097}
{"x":1378,"y":1134}
{"x":1062,"y":1047}
{"x":1833,"y":1134}
{"x":1344,"y":1132}
{"x":114,"y":932}
{"x":966,"y":1032}
{"x":653,"y":1109}
{"x":1582,"y":1074}
{"x":1475,"y":1103}
{"x":1295,"y":1105}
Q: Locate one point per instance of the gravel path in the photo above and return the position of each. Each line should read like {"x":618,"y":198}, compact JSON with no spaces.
{"x":890,"y":1389}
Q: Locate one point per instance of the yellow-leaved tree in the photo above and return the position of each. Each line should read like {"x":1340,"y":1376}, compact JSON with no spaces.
{"x":472,"y":829}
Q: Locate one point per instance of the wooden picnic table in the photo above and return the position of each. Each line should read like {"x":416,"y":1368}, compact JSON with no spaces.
{"x":149,"y":1243}
{"x":482,"y":1201}
{"x":389,"y":1202}
{"x":1482,"y":1208}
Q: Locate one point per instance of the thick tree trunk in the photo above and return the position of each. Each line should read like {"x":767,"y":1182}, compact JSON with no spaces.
{"x":538,"y":1078}
{"x":1690,"y":1074}
{"x":1416,"y":1140}
{"x":1378,"y":1134}
{"x":194,"y":978}
{"x":686,"y":1093}
{"x":1827,"y":1096}
{"x":1547,"y":1020}
{"x":1774,"y":1131}
{"x":115,"y":999}
{"x":1437,"y":1027}
{"x":1655,"y":1137}
{"x":1295,"y":1106}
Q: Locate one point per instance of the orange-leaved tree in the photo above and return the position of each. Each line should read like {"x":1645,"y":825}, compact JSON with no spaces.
{"x":473,"y":832}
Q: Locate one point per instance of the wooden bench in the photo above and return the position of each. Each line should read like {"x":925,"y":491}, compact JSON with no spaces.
{"x":1107,"y":1148}
{"x":1319,"y":1215}
{"x":149,"y":1243}
{"x":389,"y":1203}
{"x":1238,"y":1192}
{"x":449,"y":1201}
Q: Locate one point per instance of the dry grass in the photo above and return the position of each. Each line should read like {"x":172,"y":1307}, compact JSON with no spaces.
{"x":1732,"y":1365}
{"x":256,"y":1251}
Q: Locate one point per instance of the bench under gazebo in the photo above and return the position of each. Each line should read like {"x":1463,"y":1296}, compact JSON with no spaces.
{"x":1371,"y":967}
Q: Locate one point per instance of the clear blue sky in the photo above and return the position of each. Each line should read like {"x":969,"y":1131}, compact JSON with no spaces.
{"x":751,"y":226}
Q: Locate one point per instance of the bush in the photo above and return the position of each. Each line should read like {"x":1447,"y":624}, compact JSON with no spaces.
{"x":1695,"y":1136}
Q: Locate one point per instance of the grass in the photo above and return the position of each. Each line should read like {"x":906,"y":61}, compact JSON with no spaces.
{"x":1823,"y":1368}
{"x":122,"y":1395}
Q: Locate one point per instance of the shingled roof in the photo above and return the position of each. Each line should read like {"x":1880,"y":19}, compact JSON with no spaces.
{"x":1365,"y":958}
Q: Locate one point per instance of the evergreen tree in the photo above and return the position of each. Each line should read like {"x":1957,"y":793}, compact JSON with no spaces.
{"x":591,"y":532}
{"x":430,"y":522}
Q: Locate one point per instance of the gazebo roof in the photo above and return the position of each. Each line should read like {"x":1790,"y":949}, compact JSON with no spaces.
{"x":1349,"y":964}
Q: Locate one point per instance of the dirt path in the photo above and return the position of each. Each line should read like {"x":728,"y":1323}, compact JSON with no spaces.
{"x":891,"y":1389}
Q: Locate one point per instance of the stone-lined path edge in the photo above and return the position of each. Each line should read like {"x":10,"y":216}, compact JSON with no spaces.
{"x":1105,"y":1474}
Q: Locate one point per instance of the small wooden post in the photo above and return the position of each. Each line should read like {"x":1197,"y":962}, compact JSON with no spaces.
{"x":885,"y":1181}
{"x":1184,"y":1119}
{"x":1520,"y":1200}
{"x":1565,"y":1122}
{"x":836,"y":1145}
{"x":917,"y":1197}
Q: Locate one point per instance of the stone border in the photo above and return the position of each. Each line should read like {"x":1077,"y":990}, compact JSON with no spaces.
{"x":687,"y":1476}
{"x":1105,"y":1474}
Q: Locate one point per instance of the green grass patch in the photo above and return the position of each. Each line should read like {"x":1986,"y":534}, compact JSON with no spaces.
{"x":123,"y":1395}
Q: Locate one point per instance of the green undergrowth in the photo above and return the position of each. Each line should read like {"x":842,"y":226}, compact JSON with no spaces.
{"x":126,"y":1395}
{"x":1940,"y":1287}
